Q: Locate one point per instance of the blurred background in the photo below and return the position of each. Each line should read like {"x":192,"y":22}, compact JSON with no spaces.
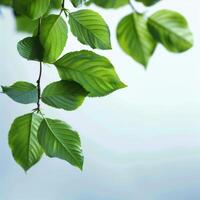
{"x":142,"y":142}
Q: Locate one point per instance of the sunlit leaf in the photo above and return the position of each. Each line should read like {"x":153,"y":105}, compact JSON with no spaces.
{"x":135,"y":39}
{"x":90,"y":28}
{"x":171,"y":29}
{"x":53,"y":37}
{"x":59,"y":140}
{"x":23,"y":140}
{"x":94,"y":72}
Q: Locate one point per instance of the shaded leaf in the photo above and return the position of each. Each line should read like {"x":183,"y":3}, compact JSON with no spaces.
{"x":33,"y":9}
{"x":6,"y":2}
{"x":59,"y":140}
{"x":135,"y":39}
{"x":56,"y":4}
{"x":30,"y":48}
{"x":148,"y":2}
{"x":94,"y":72}
{"x":67,"y":95}
{"x":77,"y":3}
{"x":90,"y":28}
{"x":25,"y":24}
{"x":22,"y":92}
{"x":53,"y":37}
{"x":171,"y":29}
{"x":23,"y":140}
{"x":110,"y":3}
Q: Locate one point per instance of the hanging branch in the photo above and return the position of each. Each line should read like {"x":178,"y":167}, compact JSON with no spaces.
{"x":40,"y":72}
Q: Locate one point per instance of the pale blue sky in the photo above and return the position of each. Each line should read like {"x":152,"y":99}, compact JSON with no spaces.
{"x":140,"y":143}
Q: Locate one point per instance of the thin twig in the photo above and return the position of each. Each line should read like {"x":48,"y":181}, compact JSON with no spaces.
{"x":39,"y":87}
{"x":40,"y":72}
{"x":63,"y":4}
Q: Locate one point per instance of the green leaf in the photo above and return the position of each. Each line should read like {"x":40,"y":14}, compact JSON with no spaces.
{"x":171,"y":29}
{"x":25,"y":24}
{"x":148,"y":2}
{"x":33,"y":9}
{"x":53,"y":37}
{"x":56,"y":4}
{"x":135,"y":39}
{"x":77,"y":3}
{"x":110,"y":3}
{"x":6,"y":2}
{"x":59,"y":140}
{"x":22,"y":92}
{"x":90,"y":28}
{"x":23,"y":140}
{"x":67,"y":95}
{"x":30,"y":48}
{"x":94,"y":72}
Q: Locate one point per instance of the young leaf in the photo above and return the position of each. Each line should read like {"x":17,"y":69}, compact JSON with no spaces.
{"x":33,"y":9}
{"x":67,"y":95}
{"x":149,"y":2}
{"x":53,"y":37}
{"x":30,"y":48}
{"x":59,"y":140}
{"x":22,"y":92}
{"x":135,"y":39}
{"x":23,"y":140}
{"x":110,"y":3}
{"x":90,"y":28}
{"x":94,"y":72}
{"x":171,"y":29}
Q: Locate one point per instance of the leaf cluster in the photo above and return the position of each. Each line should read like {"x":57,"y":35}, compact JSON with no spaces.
{"x":83,"y":73}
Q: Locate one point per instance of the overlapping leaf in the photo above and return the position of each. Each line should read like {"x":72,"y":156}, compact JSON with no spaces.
{"x":22,"y":92}
{"x":30,"y":48}
{"x":135,"y":39}
{"x":171,"y":29}
{"x":53,"y":37}
{"x":67,"y":95}
{"x":90,"y":28}
{"x":25,"y":24}
{"x":59,"y":140}
{"x":31,"y":8}
{"x":23,"y":140}
{"x":94,"y":72}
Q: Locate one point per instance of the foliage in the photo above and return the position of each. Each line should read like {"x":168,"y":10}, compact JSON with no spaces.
{"x":82,"y":73}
